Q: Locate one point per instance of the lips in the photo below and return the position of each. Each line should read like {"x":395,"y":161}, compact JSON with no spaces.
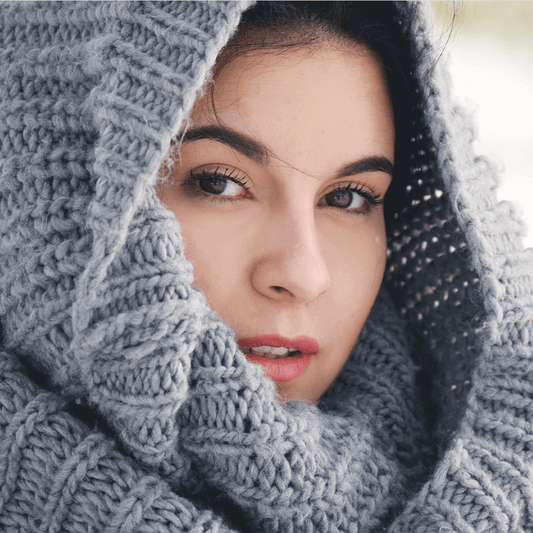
{"x":289,"y":366}
{"x":305,"y":345}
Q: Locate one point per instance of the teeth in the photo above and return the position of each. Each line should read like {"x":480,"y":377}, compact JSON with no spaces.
{"x":262,"y":349}
{"x":270,"y":352}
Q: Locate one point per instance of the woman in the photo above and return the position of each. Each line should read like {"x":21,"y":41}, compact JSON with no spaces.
{"x":346,"y":346}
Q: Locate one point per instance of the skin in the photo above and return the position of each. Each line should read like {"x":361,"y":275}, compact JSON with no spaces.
{"x":277,"y":258}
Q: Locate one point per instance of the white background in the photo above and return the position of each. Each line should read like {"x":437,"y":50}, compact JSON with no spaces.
{"x":490,"y":54}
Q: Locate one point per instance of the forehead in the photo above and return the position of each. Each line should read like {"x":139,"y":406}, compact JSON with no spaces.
{"x":305,"y":104}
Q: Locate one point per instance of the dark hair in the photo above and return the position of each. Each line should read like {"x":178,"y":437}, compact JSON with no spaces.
{"x":276,"y":27}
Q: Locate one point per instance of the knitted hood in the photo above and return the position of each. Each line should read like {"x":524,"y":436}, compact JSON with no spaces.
{"x":125,"y":403}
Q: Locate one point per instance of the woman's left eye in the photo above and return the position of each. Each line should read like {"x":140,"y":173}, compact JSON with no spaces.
{"x":352,"y":199}
{"x":345,"y":199}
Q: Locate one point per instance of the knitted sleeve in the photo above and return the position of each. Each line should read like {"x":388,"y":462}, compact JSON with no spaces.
{"x":57,"y":475}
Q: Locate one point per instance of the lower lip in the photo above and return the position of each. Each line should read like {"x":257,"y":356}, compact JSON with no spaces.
{"x":285,"y":369}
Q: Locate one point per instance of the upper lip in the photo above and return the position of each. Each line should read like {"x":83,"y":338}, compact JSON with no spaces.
{"x":306,"y":345}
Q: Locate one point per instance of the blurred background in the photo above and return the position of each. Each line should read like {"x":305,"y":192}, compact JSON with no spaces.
{"x":490,"y":55}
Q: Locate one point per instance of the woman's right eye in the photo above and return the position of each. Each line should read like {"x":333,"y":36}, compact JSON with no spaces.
{"x":220,"y":187}
{"x":219,"y":184}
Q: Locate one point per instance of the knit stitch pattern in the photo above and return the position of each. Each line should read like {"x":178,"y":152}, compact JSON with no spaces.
{"x":484,"y":481}
{"x":81,"y":483}
{"x":97,"y":301}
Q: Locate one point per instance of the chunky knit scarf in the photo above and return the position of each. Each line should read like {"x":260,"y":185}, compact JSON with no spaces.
{"x":125,"y":404}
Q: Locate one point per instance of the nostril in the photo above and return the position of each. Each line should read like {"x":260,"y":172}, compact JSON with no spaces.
{"x":282,"y":290}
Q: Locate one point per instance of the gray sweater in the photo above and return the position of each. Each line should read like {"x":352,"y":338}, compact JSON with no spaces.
{"x":125,"y":403}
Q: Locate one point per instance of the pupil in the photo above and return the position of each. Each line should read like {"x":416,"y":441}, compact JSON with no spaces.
{"x":339,"y":198}
{"x":213,"y":185}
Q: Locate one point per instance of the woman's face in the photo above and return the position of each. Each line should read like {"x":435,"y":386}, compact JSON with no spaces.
{"x":280,"y":202}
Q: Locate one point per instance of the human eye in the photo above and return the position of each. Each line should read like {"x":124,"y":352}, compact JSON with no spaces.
{"x":354,"y":199}
{"x":217,"y":183}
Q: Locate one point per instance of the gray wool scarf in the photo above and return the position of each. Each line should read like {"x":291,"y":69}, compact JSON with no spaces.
{"x":125,"y":404}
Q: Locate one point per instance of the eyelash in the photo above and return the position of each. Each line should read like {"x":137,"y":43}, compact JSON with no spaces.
{"x":372,"y":199}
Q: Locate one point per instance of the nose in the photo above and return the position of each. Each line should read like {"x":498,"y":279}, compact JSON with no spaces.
{"x":291,"y":266}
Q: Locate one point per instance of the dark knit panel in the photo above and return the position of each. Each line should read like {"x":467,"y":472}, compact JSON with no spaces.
{"x":430,"y":275}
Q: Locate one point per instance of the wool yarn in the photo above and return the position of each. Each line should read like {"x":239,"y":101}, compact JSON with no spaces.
{"x":125,"y":403}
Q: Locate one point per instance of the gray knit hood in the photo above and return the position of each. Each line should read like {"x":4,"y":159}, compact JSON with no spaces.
{"x":125,"y":403}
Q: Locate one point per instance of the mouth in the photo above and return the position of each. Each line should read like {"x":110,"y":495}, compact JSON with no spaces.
{"x":283,"y":359}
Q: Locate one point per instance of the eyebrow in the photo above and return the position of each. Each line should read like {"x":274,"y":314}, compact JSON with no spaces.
{"x":258,"y":152}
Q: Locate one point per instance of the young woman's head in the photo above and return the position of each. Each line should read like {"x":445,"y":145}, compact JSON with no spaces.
{"x":279,"y":186}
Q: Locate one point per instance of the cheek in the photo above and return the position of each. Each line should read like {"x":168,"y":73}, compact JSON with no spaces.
{"x":357,"y":264}
{"x":216,"y":251}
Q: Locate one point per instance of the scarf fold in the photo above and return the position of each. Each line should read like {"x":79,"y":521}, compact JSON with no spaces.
{"x":344,"y":465}
{"x":349,"y":461}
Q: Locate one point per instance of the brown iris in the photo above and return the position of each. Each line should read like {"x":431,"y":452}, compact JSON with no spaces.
{"x":213,"y":185}
{"x":339,"y":198}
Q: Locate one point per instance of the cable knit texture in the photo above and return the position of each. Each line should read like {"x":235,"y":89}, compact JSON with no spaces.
{"x":125,"y":403}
